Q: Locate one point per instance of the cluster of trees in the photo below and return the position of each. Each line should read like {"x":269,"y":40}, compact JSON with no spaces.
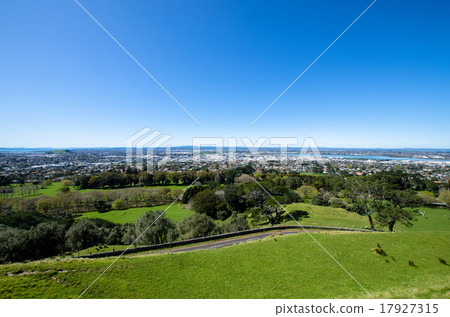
{"x":133,"y":177}
{"x":249,"y":200}
{"x":31,"y":235}
{"x":385,"y":199}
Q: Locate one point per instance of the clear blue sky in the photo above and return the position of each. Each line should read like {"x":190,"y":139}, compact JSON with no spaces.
{"x":384,"y":83}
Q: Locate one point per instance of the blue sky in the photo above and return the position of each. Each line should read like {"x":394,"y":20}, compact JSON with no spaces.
{"x":384,"y":83}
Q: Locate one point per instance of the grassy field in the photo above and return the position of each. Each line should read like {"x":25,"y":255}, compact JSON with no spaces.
{"x":434,"y":219}
{"x":56,"y":186}
{"x":51,"y":190}
{"x":329,"y":216}
{"x":276,"y":267}
{"x":175,"y":212}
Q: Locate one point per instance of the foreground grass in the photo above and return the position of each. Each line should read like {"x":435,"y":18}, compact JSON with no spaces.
{"x":277,"y":267}
{"x":175,"y":212}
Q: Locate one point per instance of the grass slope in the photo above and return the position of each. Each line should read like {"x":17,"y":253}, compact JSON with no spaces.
{"x":329,"y":216}
{"x":175,"y":212}
{"x":286,"y":267}
{"x":435,"y":219}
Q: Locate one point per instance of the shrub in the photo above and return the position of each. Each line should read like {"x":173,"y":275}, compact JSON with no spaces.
{"x":307,"y":192}
{"x":236,"y":223}
{"x":195,"y":226}
{"x":444,"y":197}
{"x":118,"y":204}
{"x":427,"y":197}
{"x":244,"y":179}
{"x":223,"y":214}
{"x":102,"y":206}
{"x":319,"y":200}
{"x":337,"y":203}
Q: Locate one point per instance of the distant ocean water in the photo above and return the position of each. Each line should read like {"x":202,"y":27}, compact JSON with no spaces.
{"x":376,"y":157}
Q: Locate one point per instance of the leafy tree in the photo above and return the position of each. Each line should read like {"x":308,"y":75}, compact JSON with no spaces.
{"x":145,"y":178}
{"x":195,"y":226}
{"x":206,"y":202}
{"x":233,"y":197}
{"x":119,"y":204}
{"x":128,"y":233}
{"x":273,"y":214}
{"x":237,"y":222}
{"x":389,"y":214}
{"x":244,"y":179}
{"x":190,"y":192}
{"x":13,"y":244}
{"x":115,"y":236}
{"x":46,"y":239}
{"x":320,"y":200}
{"x":153,"y":228}
{"x":427,"y":197}
{"x":256,"y":197}
{"x":102,"y":206}
{"x":187,"y":178}
{"x":307,"y":192}
{"x":444,"y":197}
{"x":366,"y":207}
{"x":159,"y":177}
{"x":82,"y":235}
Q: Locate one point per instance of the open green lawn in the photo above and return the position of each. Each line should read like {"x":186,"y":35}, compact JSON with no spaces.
{"x":175,"y":212}
{"x":329,"y":216}
{"x":56,"y":186}
{"x":283,"y":267}
{"x":435,"y":219}
{"x":51,"y":190}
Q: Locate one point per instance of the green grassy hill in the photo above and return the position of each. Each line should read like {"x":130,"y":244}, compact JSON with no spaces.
{"x":175,"y":212}
{"x":434,"y":219}
{"x":277,"y":267}
{"x":328,"y":216}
